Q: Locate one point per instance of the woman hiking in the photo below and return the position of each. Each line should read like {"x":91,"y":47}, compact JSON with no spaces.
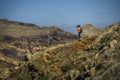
{"x":79,"y":29}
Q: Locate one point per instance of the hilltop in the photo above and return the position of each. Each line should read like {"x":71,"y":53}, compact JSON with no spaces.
{"x":90,"y":30}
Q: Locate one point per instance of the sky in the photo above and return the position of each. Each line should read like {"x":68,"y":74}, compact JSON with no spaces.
{"x":66,"y":14}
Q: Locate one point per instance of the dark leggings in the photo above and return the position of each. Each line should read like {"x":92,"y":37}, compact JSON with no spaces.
{"x":79,"y":35}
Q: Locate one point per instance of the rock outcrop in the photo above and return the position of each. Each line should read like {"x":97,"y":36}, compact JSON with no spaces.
{"x":90,"y":30}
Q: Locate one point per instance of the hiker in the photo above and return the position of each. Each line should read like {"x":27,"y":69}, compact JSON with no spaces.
{"x":79,"y":29}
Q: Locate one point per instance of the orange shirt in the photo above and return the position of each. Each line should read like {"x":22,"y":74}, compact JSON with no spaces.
{"x":78,"y":29}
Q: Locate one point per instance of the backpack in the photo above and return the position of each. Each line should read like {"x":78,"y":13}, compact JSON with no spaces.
{"x":81,"y":30}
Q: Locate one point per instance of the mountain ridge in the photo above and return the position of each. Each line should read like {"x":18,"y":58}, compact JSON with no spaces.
{"x":90,"y":30}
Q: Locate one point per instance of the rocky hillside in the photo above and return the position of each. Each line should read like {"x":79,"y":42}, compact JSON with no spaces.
{"x":18,"y":39}
{"x":94,"y":58}
{"x":16,"y":29}
{"x":90,"y":30}
{"x":29,"y":57}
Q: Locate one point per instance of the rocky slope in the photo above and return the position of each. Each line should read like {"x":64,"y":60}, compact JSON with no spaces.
{"x":17,"y":39}
{"x":90,"y":30}
{"x":20,"y":37}
{"x":94,"y":58}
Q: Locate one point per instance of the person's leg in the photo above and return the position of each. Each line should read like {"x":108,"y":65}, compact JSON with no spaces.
{"x":78,"y":35}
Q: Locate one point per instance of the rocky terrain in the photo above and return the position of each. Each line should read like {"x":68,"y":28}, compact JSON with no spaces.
{"x":96,"y":57}
{"x":90,"y":30}
{"x":18,"y":39}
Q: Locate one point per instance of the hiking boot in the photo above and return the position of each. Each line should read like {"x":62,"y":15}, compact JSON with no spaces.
{"x":79,"y":40}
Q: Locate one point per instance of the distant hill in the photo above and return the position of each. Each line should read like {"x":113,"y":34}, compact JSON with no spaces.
{"x":18,"y":29}
{"x":90,"y":30}
{"x":18,"y":38}
{"x":21,"y":35}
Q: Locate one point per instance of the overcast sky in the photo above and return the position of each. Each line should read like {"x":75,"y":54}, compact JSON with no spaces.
{"x":63,"y":13}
